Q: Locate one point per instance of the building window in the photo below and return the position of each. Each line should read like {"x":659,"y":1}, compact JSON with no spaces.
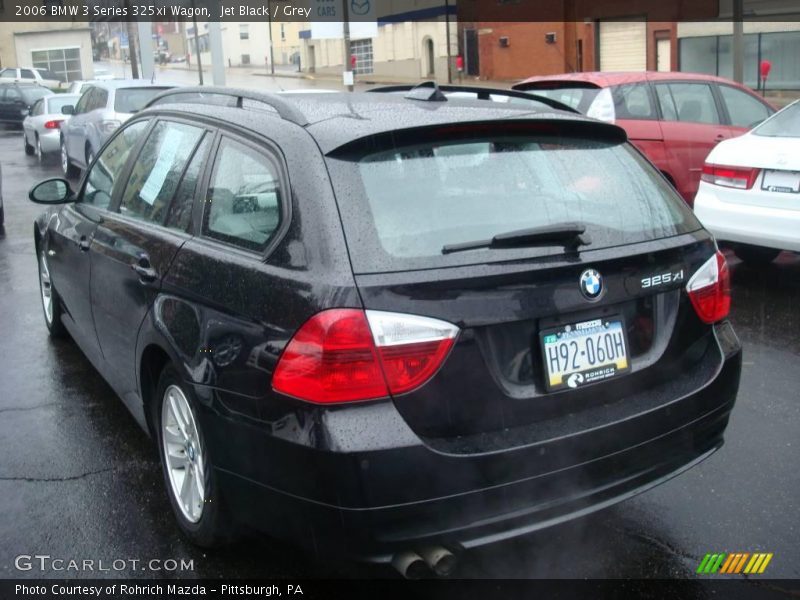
{"x":245,"y":59}
{"x":363,"y":52}
{"x":713,"y":55}
{"x":64,"y":62}
{"x":244,"y":32}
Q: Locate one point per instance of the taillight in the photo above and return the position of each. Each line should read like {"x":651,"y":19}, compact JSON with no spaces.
{"x":347,"y":355}
{"x":741,"y":178}
{"x":709,"y":289}
{"x":53,"y":124}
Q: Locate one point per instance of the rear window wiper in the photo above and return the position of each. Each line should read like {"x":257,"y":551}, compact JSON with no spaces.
{"x":569,"y":235}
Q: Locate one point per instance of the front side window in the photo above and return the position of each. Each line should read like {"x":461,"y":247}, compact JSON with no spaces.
{"x":415,"y":200}
{"x":12,"y":95}
{"x":743,"y":109}
{"x":26,"y":74}
{"x":243,"y":202}
{"x":80,"y":107}
{"x":157,"y":171}
{"x":691,"y":102}
{"x":104,"y":176}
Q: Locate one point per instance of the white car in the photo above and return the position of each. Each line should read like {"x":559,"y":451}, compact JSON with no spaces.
{"x":41,"y":129}
{"x":749,"y":192}
{"x":43,"y":77}
{"x":103,"y":74}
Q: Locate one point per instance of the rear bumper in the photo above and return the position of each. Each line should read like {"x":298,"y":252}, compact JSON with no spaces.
{"x":50,"y":141}
{"x":733,"y":221}
{"x":361,"y":504}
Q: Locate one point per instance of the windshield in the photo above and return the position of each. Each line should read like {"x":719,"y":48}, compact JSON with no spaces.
{"x":54,"y":105}
{"x":786,"y":123}
{"x":421,"y":198}
{"x":131,"y":100}
{"x":32,"y":94}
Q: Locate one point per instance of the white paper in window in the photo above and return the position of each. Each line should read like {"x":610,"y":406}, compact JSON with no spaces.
{"x":166,"y":158}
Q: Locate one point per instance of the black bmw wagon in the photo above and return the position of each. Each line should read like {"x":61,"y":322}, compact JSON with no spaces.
{"x":391,"y":326}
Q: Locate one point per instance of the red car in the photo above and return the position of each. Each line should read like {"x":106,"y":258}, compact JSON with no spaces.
{"x":674,"y":118}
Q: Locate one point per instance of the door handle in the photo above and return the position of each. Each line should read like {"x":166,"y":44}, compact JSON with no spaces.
{"x":719,"y":138}
{"x":84,"y":244}
{"x":147,"y":274}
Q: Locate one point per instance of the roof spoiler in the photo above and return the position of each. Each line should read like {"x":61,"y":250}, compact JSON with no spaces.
{"x":431,"y":91}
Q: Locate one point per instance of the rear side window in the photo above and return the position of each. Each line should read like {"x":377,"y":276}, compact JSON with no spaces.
{"x":158,"y":169}
{"x":632,"y":101}
{"x":243,"y":202}
{"x":179,"y":215}
{"x":415,"y":200}
{"x":743,"y":109}
{"x":688,"y":102}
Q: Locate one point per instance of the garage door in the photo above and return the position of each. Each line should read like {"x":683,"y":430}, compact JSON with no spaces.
{"x":623,"y":46}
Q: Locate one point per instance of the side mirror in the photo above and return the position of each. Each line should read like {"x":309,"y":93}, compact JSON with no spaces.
{"x":68,"y":109}
{"x":51,"y":191}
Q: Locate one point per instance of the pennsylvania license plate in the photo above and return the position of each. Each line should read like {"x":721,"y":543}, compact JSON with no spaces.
{"x":581,"y":353}
{"x":781,"y":181}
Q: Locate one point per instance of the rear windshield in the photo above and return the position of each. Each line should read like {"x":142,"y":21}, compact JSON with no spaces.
{"x":784,"y":124}
{"x":33,"y":93}
{"x":131,"y":100}
{"x":414,"y":200}
{"x":54,"y":105}
{"x":580,"y":98}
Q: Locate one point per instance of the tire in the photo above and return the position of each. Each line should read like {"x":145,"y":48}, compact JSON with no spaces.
{"x":2,"y":216}
{"x":51,"y":303}
{"x":89,"y":158}
{"x":204,"y":518}
{"x":29,"y":150}
{"x":756,"y":255}
{"x":38,"y":150}
{"x":67,"y":167}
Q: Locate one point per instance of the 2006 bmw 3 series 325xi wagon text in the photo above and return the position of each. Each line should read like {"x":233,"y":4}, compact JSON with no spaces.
{"x":387,"y":325}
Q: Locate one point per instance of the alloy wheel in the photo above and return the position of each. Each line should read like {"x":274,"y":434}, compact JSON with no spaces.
{"x":46,"y":288}
{"x":183,"y":454}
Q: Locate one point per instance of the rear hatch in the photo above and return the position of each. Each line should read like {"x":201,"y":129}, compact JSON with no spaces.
{"x":423,"y":211}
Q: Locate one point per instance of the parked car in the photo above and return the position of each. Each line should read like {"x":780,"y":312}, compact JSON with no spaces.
{"x":41,"y":77}
{"x":443,"y":323}
{"x":78,"y":87}
{"x":16,"y":100}
{"x":102,"y":74}
{"x":41,"y":129}
{"x":102,"y":108}
{"x":749,"y":192}
{"x":674,"y":118}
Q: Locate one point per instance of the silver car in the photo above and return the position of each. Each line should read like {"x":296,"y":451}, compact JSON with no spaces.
{"x":41,"y":129}
{"x":101,"y":109}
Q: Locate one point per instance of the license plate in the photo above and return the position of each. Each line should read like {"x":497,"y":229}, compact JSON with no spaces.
{"x":581,"y":353}
{"x":781,"y":181}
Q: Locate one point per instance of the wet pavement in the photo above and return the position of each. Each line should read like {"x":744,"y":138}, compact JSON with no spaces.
{"x":79,"y":479}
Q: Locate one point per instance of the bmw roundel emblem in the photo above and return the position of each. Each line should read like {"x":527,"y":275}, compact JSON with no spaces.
{"x":591,"y":284}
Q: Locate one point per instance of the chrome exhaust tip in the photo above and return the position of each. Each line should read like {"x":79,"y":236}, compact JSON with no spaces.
{"x":440,"y":560}
{"x":410,"y":565}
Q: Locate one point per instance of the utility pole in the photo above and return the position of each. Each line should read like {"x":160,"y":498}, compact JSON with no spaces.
{"x":346,"y":41}
{"x":131,"y":27}
{"x":738,"y":41}
{"x":447,"y":33}
{"x":197,"y":46}
{"x":271,"y":52}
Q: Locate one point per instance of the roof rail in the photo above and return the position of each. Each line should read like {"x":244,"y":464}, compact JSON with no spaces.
{"x":286,"y":110}
{"x":427,"y":90}
{"x":482,"y":93}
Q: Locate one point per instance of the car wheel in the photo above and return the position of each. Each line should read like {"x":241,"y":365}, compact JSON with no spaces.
{"x":756,"y":255}
{"x":188,"y":473}
{"x":28,"y":148}
{"x":66,"y":166}
{"x":51,"y":305}
{"x":39,"y":153}
{"x":89,"y":158}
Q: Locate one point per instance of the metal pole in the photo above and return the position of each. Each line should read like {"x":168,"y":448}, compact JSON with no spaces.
{"x":738,"y":41}
{"x":197,"y":46}
{"x":346,"y":40}
{"x":145,"y":30}
{"x":217,"y":53}
{"x":447,"y":33}
{"x":271,"y":53}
